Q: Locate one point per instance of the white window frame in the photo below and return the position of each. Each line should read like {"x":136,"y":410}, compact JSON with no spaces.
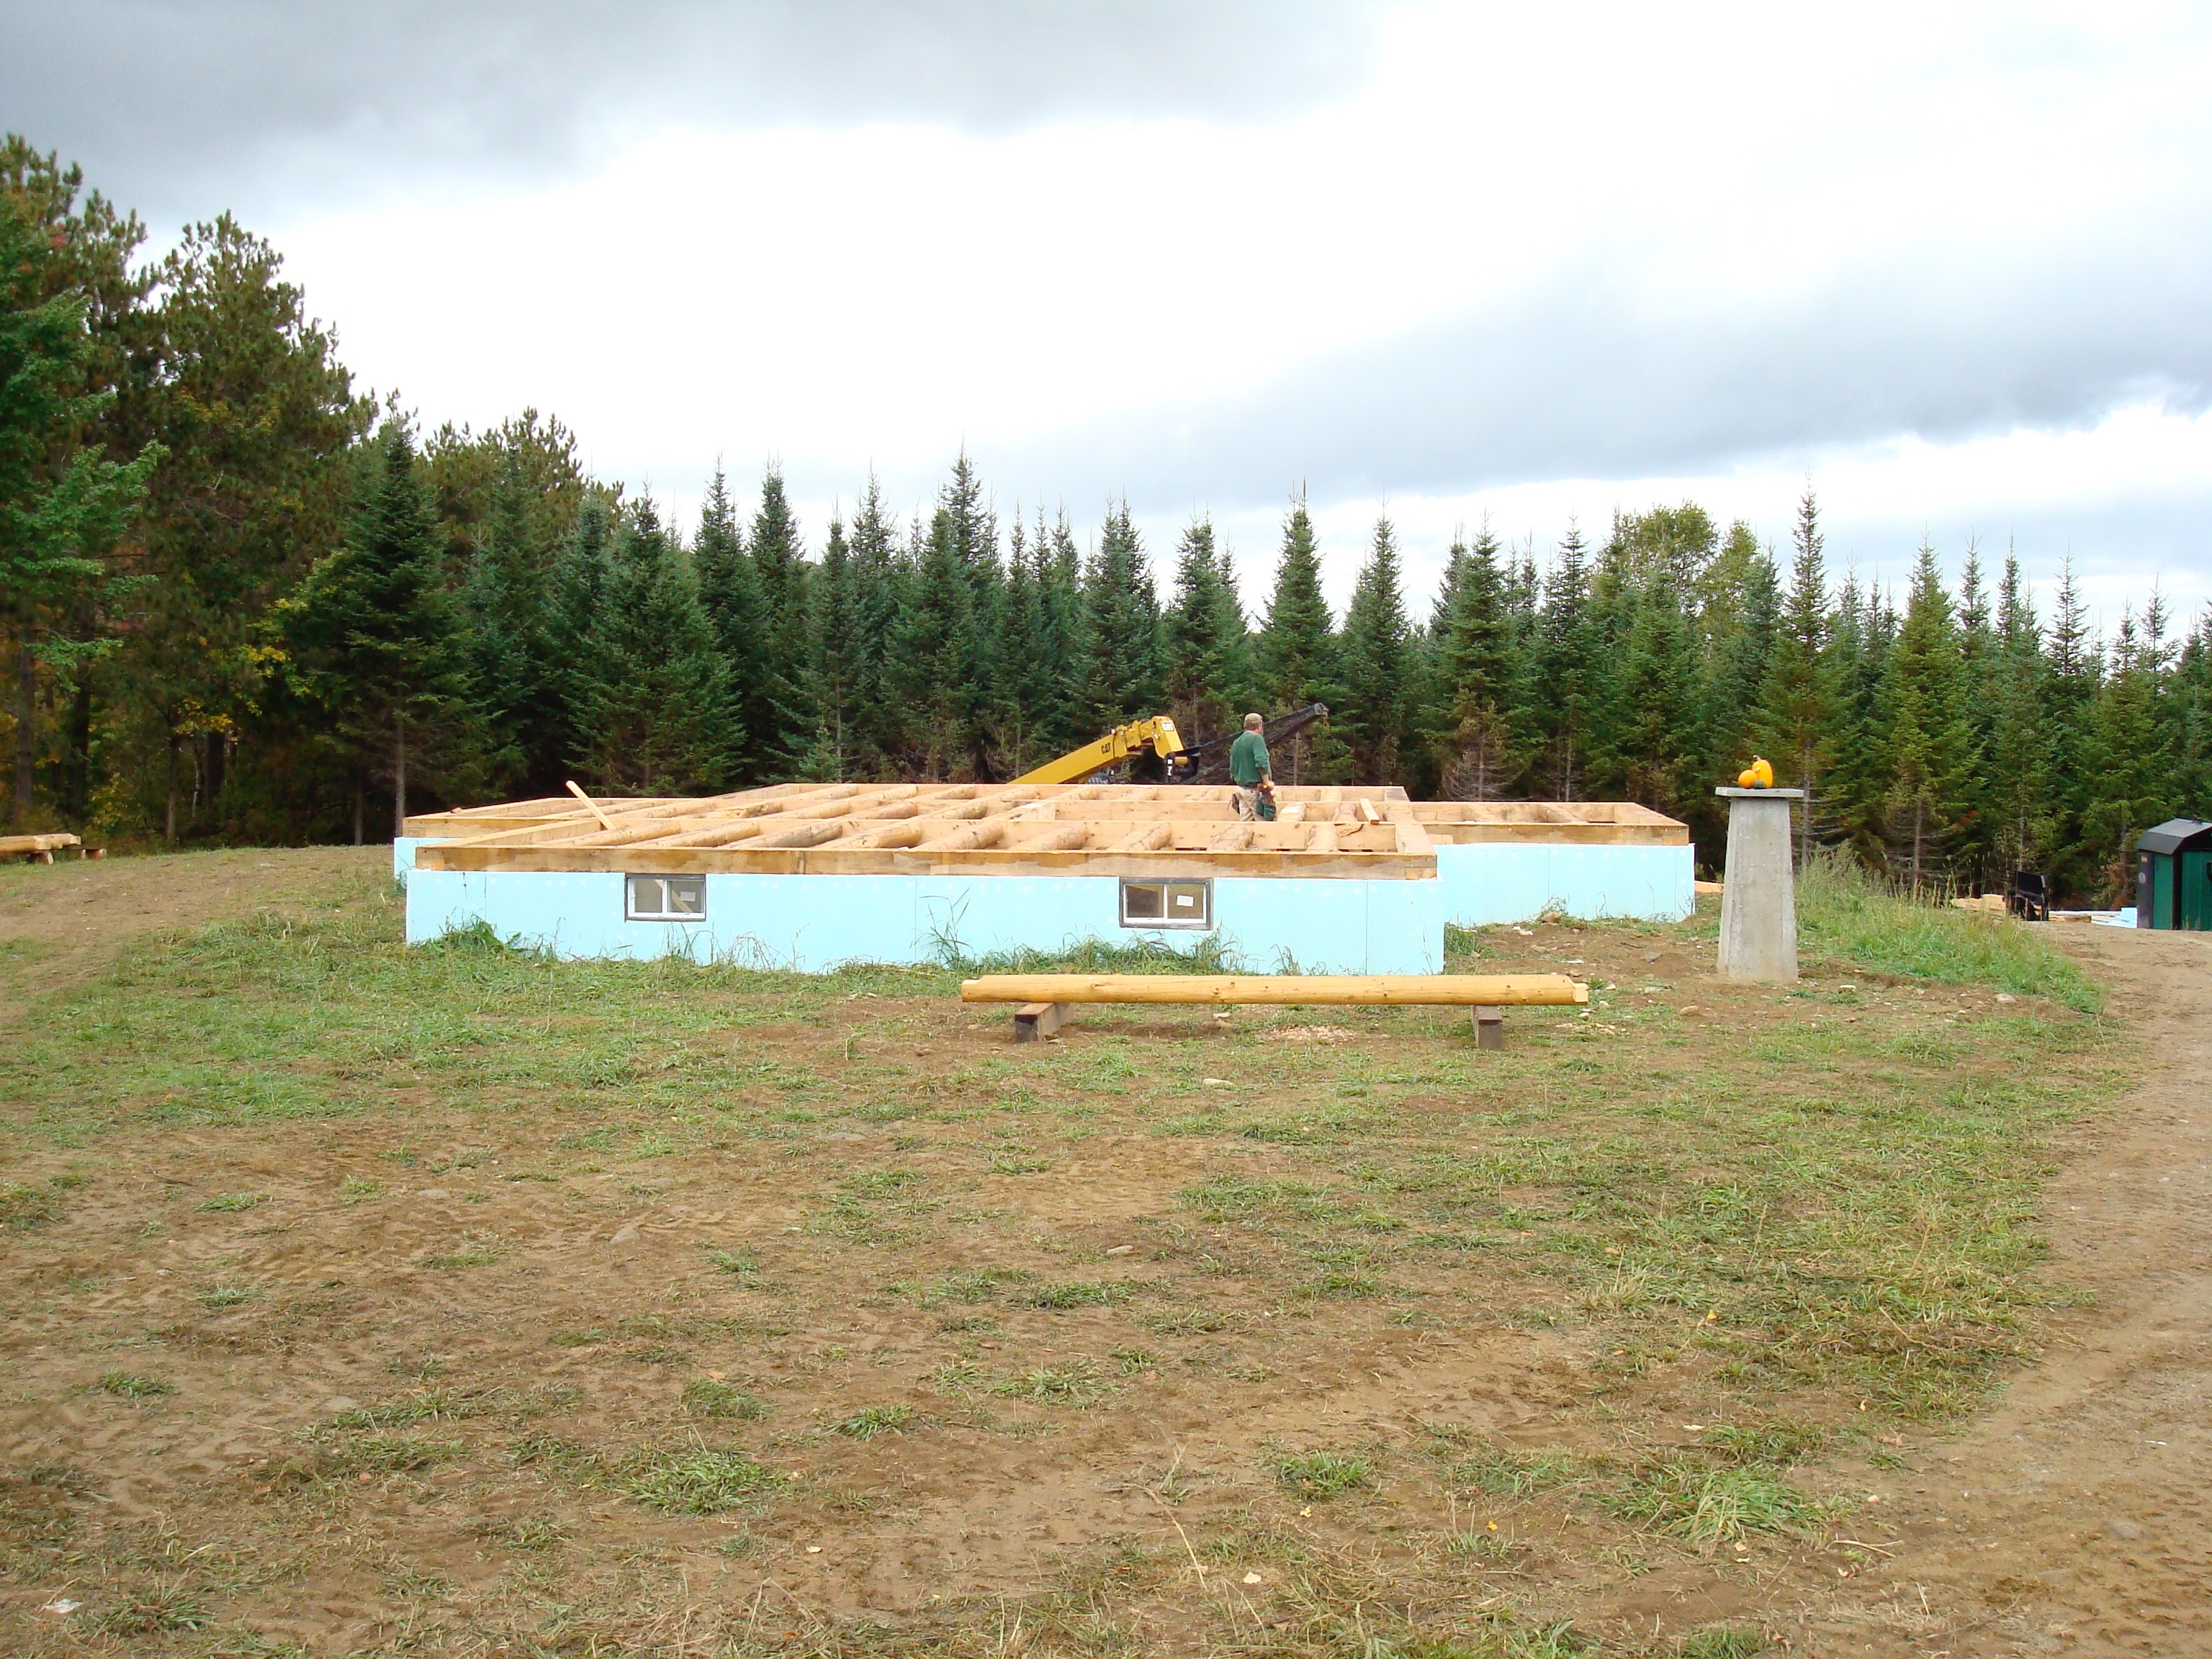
{"x":631,"y":884}
{"x":1201,"y":924}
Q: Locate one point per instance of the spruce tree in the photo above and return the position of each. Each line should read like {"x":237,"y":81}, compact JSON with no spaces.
{"x":2073,"y":677}
{"x":1025,"y":669}
{"x":1059,"y":599}
{"x":2017,"y":784}
{"x":1568,"y":679}
{"x":1795,"y":704}
{"x":1928,"y":742}
{"x":1377,"y":664}
{"x":1204,"y":634}
{"x":1121,"y":624}
{"x":730,"y":590}
{"x":936,"y":656}
{"x":652,"y":712}
{"x":839,"y":674}
{"x":878,"y":601}
{"x":378,"y":637}
{"x":1297,"y":654}
{"x":2132,"y":775}
{"x":1480,"y":747}
{"x":1657,"y":680}
{"x":1742,"y":651}
{"x":780,"y":568}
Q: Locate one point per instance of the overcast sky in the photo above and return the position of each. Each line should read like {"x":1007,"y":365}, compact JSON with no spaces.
{"x":1951,"y":262}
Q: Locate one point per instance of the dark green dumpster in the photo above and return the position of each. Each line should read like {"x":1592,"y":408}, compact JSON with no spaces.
{"x":2173,"y":876}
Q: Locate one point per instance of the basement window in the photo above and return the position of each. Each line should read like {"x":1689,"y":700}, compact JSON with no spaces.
{"x":1166,"y":904}
{"x":667,"y":898}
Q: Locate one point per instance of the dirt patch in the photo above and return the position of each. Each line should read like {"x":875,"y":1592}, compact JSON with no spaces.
{"x":374,"y":1301}
{"x":2075,"y":1517}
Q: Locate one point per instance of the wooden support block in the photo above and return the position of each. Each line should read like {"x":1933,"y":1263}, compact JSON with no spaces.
{"x":1035,"y":1021}
{"x":1489,"y":1026}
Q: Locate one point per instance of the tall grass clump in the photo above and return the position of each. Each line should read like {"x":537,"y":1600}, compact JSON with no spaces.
{"x":1846,"y":913}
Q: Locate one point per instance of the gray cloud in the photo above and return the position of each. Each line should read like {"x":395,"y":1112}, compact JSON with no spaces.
{"x":1580,"y":382}
{"x":184,"y":109}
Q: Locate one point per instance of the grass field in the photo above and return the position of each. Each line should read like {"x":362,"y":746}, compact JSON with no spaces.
{"x":454,"y":1301}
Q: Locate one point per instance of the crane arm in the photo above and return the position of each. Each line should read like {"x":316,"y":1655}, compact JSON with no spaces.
{"x":1157,"y":734}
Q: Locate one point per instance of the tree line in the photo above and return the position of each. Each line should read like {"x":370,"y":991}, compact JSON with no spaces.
{"x":246,"y":602}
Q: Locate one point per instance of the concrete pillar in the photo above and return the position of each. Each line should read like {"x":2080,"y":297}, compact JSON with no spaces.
{"x":1758,"y":901}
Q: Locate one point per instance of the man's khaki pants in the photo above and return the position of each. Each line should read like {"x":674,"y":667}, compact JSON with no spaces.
{"x":1248,"y":803}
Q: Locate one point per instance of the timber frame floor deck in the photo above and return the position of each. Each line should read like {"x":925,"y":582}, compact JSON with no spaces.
{"x":1106,"y":829}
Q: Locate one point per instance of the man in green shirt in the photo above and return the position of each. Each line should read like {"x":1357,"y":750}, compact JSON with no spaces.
{"x":1249,"y":767}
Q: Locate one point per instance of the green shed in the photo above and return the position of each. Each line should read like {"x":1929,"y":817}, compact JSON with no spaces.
{"x":2173,"y":876}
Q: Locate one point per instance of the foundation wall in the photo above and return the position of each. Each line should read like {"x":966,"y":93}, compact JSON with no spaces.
{"x":812,"y":923}
{"x":1492,"y":881}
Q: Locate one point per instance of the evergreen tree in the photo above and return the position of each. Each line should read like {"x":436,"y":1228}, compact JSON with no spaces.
{"x":1480,"y":746}
{"x":738,"y":611}
{"x":878,"y":601}
{"x":1121,"y":624}
{"x":1059,"y":583}
{"x":653,"y":712}
{"x":2017,"y":785}
{"x":1377,"y":664}
{"x":1930,"y":743}
{"x":2072,"y":678}
{"x":937,"y":654}
{"x":1204,"y":635}
{"x":378,"y":638}
{"x":62,"y":503}
{"x":1741,"y":653}
{"x":838,"y":676}
{"x":1795,"y":705}
{"x":786,"y":737}
{"x":1296,"y":659}
{"x":1568,"y":679}
{"x":2132,"y":777}
{"x":1658,"y":688}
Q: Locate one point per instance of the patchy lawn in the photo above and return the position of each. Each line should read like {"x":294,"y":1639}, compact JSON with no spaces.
{"x":451,"y":1301}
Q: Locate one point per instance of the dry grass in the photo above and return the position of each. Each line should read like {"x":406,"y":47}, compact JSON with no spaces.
{"x":644,"y":1282}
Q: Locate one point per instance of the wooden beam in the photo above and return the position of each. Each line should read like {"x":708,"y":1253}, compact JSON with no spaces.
{"x":1296,"y":990}
{"x":1489,"y":1025}
{"x":577,"y":790}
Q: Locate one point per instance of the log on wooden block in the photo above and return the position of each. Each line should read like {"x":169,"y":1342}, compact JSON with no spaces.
{"x":1035,"y":1021}
{"x":1294,"y":990}
{"x":1489,"y":1026}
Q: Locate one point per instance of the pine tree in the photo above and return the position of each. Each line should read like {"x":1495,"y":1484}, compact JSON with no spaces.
{"x":1742,"y":652}
{"x":62,"y":503}
{"x":785,"y":735}
{"x":1121,"y":624}
{"x":2017,"y":785}
{"x":1481,"y":748}
{"x":839,"y":675}
{"x":1657,"y":680}
{"x":1025,"y":669}
{"x":378,"y":638}
{"x":970,"y":529}
{"x":1930,"y":744}
{"x":1796,"y":705}
{"x":2131,"y":784}
{"x":1205,"y":634}
{"x":2072,"y":679}
{"x":1569,"y":677}
{"x":1295,"y":655}
{"x":1059,"y":599}
{"x":742,"y":618}
{"x":878,"y":601}
{"x":653,"y":714}
{"x":936,"y":657}
{"x":1377,"y":664}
